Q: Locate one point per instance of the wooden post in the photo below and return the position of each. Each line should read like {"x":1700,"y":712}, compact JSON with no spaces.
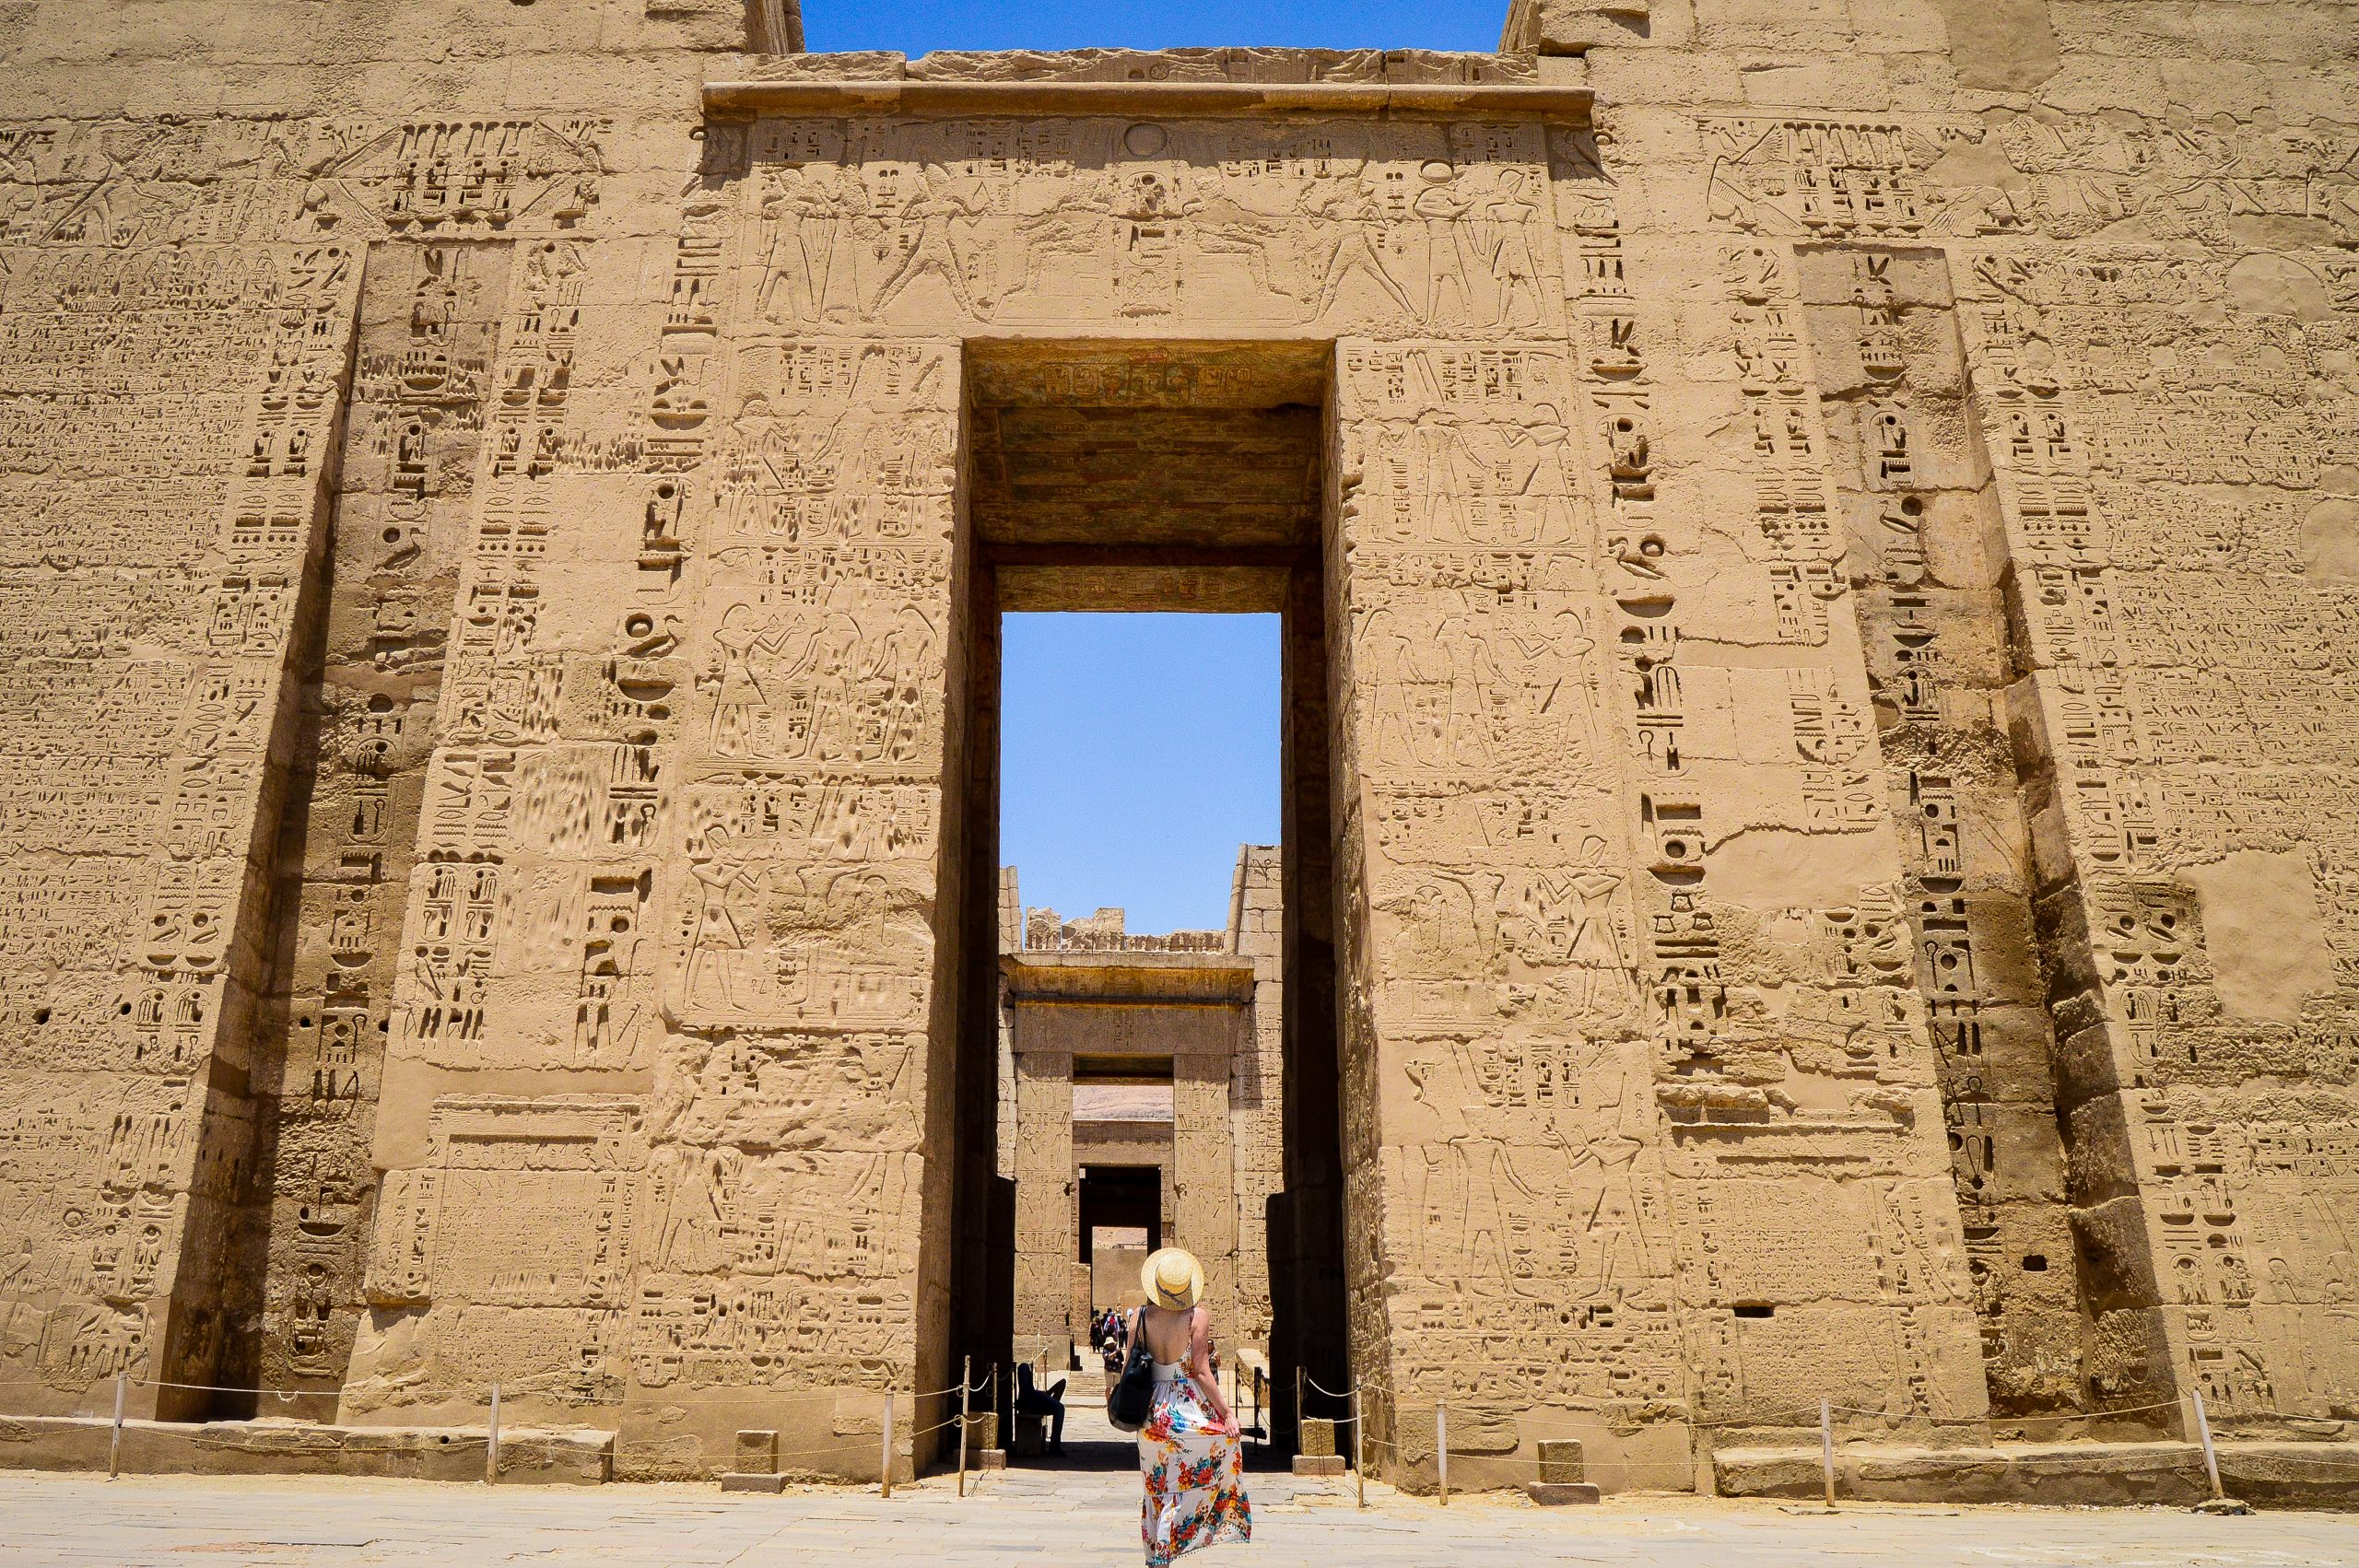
{"x":886,"y":1477}
{"x":965,"y":1371}
{"x":114,"y":1439}
{"x":1827,"y":1448}
{"x":1359,"y":1452}
{"x":1442,"y":1447}
{"x":1297,"y":1407}
{"x":2203,"y":1430}
{"x":491,"y":1449}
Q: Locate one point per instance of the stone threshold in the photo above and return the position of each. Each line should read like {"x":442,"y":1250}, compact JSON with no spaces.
{"x":2274,"y":1474}
{"x":527,"y":1455}
{"x":1547,"y":100}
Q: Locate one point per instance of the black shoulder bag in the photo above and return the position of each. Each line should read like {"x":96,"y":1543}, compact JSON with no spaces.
{"x":1133,"y":1396}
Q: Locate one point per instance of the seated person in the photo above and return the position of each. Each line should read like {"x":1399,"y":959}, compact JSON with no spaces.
{"x":1031,"y":1401}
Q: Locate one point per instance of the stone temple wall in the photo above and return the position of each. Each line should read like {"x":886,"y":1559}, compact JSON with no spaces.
{"x":1837,"y":523}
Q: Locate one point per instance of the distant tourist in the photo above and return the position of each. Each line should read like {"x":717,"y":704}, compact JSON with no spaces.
{"x":1033,"y":1400}
{"x":1190,"y":1456}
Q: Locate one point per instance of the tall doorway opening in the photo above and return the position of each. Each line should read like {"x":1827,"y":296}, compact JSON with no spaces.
{"x":1119,"y":1088}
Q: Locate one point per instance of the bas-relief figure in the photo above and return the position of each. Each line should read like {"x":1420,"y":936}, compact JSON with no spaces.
{"x":1834,"y":543}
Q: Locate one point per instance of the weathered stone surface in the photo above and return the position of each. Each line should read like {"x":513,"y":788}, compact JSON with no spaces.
{"x":2278,"y":1474}
{"x":1557,"y":1493}
{"x":1817,"y":552}
{"x":279,"y":1446}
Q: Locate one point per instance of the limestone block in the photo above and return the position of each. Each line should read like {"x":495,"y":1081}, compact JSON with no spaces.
{"x":756,"y":1452}
{"x":1560,"y":1460}
{"x":1575,"y":27}
{"x":1318,"y":1437}
{"x":1557,"y":1495}
{"x":1475,"y":1430}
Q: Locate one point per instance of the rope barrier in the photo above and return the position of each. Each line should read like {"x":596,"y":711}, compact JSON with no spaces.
{"x":284,"y":1396}
{"x":591,"y":1442}
{"x":1346,"y":1393}
{"x":287,"y":1395}
{"x":2090,"y":1415}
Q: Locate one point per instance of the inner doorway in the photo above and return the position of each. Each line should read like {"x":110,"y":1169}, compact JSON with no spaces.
{"x":1137,"y":477}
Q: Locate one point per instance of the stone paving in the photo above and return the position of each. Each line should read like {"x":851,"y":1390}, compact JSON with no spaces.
{"x":1079,"y":1518}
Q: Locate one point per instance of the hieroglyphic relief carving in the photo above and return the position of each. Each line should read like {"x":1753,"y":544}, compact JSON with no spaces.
{"x":1502,"y":942}
{"x":1763,"y":1101}
{"x":132,"y":925}
{"x":472,"y":178}
{"x":412,"y":448}
{"x":1007,"y":222}
{"x":2191,"y":828}
{"x":1916,"y":499}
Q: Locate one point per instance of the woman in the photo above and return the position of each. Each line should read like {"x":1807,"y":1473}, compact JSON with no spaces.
{"x":1190,"y":1458}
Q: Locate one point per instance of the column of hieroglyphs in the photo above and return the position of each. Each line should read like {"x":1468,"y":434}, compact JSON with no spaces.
{"x":421,"y":402}
{"x":524,"y":955}
{"x":173,"y":355}
{"x":1924,"y":558}
{"x":523,"y":967}
{"x":1819,"y":1247}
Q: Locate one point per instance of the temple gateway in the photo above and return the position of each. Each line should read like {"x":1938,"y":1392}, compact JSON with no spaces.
{"x":1818,"y":552}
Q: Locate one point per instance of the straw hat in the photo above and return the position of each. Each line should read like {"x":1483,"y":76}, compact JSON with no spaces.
{"x":1172,"y":1278}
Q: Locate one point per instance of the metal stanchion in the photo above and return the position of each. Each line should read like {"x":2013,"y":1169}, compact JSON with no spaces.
{"x":965,"y":1374}
{"x":1826,"y":1448}
{"x":491,"y":1449}
{"x":2203,"y":1430}
{"x":1442,"y":1447}
{"x":114,"y":1439}
{"x":885,"y":1476}
{"x":1359,"y":1452}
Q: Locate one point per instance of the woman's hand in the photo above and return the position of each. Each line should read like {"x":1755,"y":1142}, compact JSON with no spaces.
{"x":1228,"y":1428}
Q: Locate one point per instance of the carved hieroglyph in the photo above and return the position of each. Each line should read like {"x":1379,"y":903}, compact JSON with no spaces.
{"x":1830,"y":536}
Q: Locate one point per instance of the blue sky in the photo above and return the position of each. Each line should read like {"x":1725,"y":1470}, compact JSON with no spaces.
{"x":1151,"y":24}
{"x":1137,"y":753}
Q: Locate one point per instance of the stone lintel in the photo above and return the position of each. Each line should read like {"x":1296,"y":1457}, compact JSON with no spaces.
{"x":1415,"y":100}
{"x":1163,"y":979}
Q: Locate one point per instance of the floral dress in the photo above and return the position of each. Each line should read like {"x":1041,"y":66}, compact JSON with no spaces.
{"x":1194,"y":1474}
